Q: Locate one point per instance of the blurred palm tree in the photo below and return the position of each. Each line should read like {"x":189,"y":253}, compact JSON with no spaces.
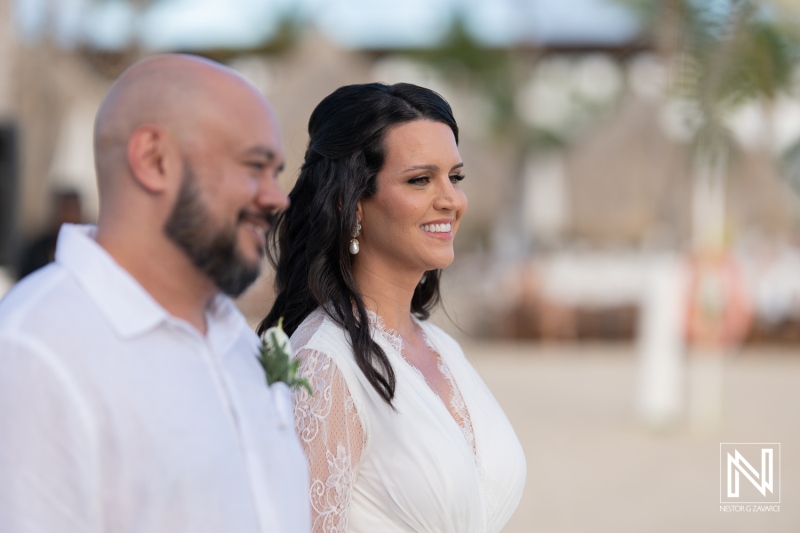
{"x":722,"y":55}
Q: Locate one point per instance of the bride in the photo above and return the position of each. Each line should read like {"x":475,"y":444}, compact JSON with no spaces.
{"x":401,"y":433}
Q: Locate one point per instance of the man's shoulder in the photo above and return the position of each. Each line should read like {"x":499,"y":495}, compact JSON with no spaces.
{"x":33,"y":302}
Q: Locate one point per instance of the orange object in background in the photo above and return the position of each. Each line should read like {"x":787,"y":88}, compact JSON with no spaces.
{"x":719,"y":314}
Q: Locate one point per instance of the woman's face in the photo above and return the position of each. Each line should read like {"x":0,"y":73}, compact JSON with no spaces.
{"x":410,"y":222}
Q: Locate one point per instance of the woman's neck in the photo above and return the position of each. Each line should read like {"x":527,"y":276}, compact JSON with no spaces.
{"x":388,"y":294}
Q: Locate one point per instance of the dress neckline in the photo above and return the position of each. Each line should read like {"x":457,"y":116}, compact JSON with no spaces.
{"x":455,"y":406}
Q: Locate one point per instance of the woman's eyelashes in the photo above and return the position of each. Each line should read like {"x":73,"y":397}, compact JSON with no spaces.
{"x":424,"y":180}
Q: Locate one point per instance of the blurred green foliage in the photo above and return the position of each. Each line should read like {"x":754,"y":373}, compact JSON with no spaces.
{"x":723,"y":53}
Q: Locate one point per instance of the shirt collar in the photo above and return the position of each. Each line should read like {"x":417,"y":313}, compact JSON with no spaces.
{"x":226,"y":324}
{"x":128,"y":306}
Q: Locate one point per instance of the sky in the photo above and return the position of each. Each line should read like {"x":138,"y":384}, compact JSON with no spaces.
{"x":198,"y":24}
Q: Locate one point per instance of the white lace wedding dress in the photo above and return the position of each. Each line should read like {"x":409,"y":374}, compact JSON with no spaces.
{"x":423,"y":466}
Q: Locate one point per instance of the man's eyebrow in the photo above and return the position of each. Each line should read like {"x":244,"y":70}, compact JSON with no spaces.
{"x":432,"y":168}
{"x":266,"y":153}
{"x":262,"y":151}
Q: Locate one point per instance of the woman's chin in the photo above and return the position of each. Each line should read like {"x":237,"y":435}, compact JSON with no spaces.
{"x":441,"y":263}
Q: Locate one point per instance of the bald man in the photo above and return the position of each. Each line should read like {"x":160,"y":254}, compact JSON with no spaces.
{"x":131,"y":399}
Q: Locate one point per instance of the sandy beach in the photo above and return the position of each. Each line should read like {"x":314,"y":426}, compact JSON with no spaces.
{"x":593,"y":466}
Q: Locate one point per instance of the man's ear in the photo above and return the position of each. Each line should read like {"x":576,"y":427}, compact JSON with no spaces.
{"x":150,"y":156}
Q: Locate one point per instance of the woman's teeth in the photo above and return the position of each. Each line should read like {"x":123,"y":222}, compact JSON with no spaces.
{"x":437,"y":228}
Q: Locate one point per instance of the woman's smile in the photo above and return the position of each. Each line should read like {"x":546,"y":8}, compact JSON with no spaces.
{"x":439,"y":229}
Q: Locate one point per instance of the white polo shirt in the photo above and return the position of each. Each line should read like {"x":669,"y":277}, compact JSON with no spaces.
{"x":117,"y":417}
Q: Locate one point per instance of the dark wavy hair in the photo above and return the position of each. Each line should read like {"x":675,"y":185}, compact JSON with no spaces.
{"x":309,"y":241}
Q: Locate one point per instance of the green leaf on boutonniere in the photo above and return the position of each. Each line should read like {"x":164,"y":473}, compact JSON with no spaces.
{"x":275,"y":356}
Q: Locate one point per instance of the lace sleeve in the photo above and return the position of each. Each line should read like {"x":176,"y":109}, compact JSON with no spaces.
{"x":332,"y":437}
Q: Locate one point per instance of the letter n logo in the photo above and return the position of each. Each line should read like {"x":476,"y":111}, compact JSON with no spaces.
{"x":740,"y":462}
{"x":739,"y":465}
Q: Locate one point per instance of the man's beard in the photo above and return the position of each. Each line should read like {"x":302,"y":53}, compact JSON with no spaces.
{"x":211,"y":248}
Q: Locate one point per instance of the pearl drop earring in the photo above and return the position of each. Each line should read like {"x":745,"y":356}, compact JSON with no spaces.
{"x":354,"y":241}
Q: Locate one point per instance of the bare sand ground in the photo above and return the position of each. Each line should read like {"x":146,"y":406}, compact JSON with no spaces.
{"x":594,"y":467}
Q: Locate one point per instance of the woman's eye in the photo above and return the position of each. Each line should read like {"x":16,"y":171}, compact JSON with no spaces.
{"x":257,"y":165}
{"x":421,"y":180}
{"x":455,"y":178}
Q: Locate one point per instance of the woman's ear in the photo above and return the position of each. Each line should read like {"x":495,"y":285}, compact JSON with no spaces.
{"x":151,"y":158}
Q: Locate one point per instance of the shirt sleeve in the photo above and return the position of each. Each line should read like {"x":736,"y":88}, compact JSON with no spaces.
{"x":333,"y":438}
{"x":48,"y":474}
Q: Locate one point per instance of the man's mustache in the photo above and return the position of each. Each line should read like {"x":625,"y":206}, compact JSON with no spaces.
{"x":263,"y":219}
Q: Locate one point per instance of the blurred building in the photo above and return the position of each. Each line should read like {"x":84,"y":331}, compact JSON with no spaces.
{"x":585,"y":181}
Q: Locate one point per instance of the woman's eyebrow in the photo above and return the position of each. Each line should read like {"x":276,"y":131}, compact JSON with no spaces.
{"x":431,"y":167}
{"x":422,"y":167}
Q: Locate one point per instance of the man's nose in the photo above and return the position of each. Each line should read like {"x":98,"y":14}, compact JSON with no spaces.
{"x":271,"y":195}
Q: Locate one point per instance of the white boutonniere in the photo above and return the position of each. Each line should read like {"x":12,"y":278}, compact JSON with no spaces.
{"x":275,"y":356}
